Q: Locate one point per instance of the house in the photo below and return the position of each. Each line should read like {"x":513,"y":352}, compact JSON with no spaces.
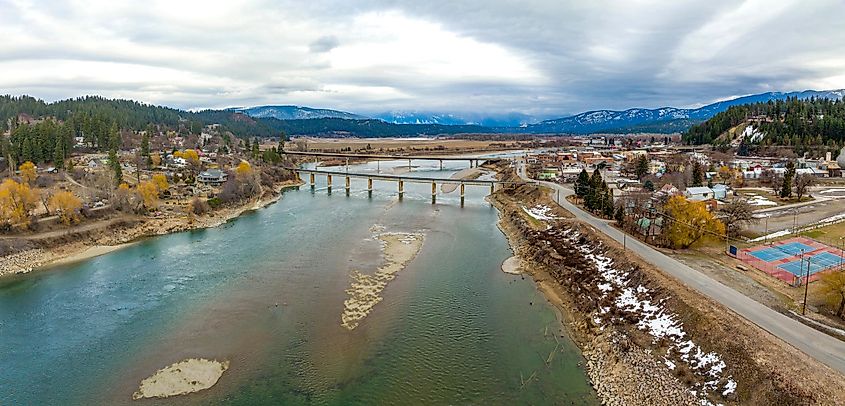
{"x":819,"y":173}
{"x":179,"y":162}
{"x":699,"y":194}
{"x":669,"y":190}
{"x":720,"y":191}
{"x":213,"y":177}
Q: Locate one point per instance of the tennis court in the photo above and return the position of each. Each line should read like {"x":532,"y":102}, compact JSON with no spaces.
{"x":788,"y":260}
{"x":817,"y":263}
{"x":778,"y":252}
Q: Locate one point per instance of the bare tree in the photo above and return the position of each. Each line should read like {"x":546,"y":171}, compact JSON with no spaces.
{"x":301,"y":144}
{"x":776,"y":183}
{"x":737,"y":214}
{"x":802,"y":182}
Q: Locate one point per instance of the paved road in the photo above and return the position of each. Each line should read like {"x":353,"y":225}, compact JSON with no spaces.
{"x":822,"y":347}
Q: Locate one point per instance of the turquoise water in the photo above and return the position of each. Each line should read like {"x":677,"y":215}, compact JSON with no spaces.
{"x":266,"y":292}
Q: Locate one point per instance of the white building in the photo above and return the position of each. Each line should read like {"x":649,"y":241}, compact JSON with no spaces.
{"x":699,"y":194}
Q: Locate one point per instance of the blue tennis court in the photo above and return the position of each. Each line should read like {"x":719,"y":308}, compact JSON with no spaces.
{"x":778,"y":252}
{"x":794,"y":248}
{"x":818,"y":263}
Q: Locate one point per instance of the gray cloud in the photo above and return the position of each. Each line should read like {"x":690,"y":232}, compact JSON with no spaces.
{"x":545,"y":58}
{"x":324,"y":44}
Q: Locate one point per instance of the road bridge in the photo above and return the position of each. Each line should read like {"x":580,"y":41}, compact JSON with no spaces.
{"x":399,"y":179}
{"x":473,"y":160}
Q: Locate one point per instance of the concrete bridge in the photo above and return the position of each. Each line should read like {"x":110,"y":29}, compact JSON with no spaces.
{"x":399,"y":179}
{"x":473,"y":161}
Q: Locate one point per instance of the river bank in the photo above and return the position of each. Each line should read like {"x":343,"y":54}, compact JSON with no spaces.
{"x":118,"y":233}
{"x":648,"y":339}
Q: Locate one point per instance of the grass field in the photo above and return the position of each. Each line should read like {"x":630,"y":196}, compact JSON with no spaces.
{"x":399,"y":144}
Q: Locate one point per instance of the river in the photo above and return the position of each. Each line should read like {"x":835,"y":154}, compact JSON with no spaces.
{"x":266,"y":292}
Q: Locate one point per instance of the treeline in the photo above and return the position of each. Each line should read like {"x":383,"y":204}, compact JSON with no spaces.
{"x":598,"y":198}
{"x":92,"y":114}
{"x":368,"y":128}
{"x":802,"y":124}
{"x":92,"y":117}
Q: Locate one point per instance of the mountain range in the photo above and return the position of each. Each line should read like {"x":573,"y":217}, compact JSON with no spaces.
{"x":635,"y":120}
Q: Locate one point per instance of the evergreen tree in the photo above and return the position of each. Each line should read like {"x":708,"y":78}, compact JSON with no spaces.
{"x":697,"y":174}
{"x":26,"y":151}
{"x":114,"y":137}
{"x":788,"y":178}
{"x":582,"y":184}
{"x":145,"y":148}
{"x":642,"y":167}
{"x":607,"y":202}
{"x":115,"y":164}
{"x":59,"y":154}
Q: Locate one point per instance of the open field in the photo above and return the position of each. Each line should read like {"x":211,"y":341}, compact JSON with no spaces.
{"x":429,"y":145}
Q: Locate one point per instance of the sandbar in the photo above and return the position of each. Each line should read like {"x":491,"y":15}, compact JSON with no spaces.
{"x":188,"y":376}
{"x":364,"y":292}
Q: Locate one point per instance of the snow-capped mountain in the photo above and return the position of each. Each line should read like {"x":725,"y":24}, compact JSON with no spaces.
{"x":417,"y":117}
{"x":666,"y":119}
{"x":636,"y":120}
{"x":295,"y":113}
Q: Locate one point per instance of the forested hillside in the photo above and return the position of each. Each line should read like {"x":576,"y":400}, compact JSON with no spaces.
{"x":369,"y":128}
{"x":43,"y":131}
{"x":801,"y":124}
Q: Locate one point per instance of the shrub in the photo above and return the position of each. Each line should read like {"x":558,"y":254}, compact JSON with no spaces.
{"x":199,"y":206}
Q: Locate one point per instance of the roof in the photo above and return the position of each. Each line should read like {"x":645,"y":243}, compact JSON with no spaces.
{"x":212,"y":173}
{"x":700,"y":190}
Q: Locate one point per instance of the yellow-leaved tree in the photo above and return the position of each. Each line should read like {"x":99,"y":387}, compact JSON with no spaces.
{"x":156,"y":160}
{"x":28,"y":173}
{"x":191,"y":156}
{"x":832,"y":288}
{"x":17,"y":200}
{"x":689,"y":222}
{"x":160,"y":180}
{"x":243,"y":170}
{"x":149,"y":194}
{"x":67,"y":205}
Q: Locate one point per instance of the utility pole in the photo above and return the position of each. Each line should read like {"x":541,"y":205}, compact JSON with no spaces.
{"x":806,"y":286}
{"x":795,"y":221}
{"x":766,"y":233}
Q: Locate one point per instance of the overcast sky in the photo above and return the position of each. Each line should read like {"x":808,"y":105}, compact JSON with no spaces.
{"x":545,"y":58}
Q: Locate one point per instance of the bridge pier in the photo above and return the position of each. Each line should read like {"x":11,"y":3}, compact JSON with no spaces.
{"x":347,"y":185}
{"x":462,"y":195}
{"x":329,"y":183}
{"x":370,"y":187}
{"x":401,"y":189}
{"x":312,"y":181}
{"x":433,"y":192}
{"x":492,"y":188}
{"x":441,"y":164}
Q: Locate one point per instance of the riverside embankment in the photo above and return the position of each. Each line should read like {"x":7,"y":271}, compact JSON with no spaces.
{"x":647,"y":338}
